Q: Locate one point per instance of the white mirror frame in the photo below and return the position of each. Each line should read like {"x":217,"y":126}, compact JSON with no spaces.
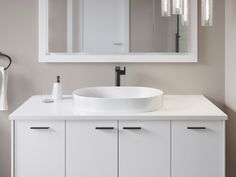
{"x":46,"y":57}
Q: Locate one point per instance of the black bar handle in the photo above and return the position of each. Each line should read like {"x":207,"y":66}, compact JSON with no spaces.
{"x":104,"y":128}
{"x":132,"y":128}
{"x":196,"y":128}
{"x":39,"y":128}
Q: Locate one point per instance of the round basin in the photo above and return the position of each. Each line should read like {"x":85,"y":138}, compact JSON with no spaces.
{"x":117,"y":99}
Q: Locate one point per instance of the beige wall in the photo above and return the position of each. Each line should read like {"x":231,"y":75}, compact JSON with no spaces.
{"x":18,"y":38}
{"x":230,"y":84}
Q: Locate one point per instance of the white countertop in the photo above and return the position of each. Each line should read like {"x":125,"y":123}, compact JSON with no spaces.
{"x":176,"y":107}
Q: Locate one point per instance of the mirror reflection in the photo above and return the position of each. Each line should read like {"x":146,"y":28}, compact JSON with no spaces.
{"x":114,"y":27}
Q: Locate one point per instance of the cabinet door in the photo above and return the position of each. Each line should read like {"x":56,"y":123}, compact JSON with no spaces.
{"x":39,"y":149}
{"x":144,"y":149}
{"x":197,"y":149}
{"x":91,"y":148}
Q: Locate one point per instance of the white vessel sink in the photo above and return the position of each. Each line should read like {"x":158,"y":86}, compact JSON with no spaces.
{"x":117,"y":99}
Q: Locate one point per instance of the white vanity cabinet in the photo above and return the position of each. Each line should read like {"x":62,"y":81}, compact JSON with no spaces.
{"x":197,"y":149}
{"x":119,"y":148}
{"x":39,"y":149}
{"x":186,"y":138}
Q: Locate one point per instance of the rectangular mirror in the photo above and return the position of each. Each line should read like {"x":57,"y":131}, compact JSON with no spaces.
{"x":114,"y":31}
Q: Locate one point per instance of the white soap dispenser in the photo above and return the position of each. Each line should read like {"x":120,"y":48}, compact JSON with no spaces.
{"x":57,"y":91}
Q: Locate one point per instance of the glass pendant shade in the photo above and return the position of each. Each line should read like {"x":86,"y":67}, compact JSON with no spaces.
{"x":185,"y":15}
{"x":177,"y":7}
{"x":207,"y":13}
{"x":165,"y":8}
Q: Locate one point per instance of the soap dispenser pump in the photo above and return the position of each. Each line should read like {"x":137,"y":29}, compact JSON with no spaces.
{"x":57,"y":91}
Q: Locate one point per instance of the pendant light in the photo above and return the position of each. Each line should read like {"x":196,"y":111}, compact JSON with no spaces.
{"x":185,"y":15}
{"x":181,"y":7}
{"x":165,"y":8}
{"x":207,"y":13}
{"x":177,"y":7}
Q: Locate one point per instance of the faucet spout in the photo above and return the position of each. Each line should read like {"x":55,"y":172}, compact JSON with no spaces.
{"x":119,"y":72}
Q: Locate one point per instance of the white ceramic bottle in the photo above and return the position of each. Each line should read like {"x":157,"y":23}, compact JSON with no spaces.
{"x":57,"y":91}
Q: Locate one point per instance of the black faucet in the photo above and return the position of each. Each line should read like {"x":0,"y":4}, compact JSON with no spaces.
{"x":119,"y":72}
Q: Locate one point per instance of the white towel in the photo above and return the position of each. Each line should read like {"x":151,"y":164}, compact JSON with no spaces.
{"x":3,"y":94}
